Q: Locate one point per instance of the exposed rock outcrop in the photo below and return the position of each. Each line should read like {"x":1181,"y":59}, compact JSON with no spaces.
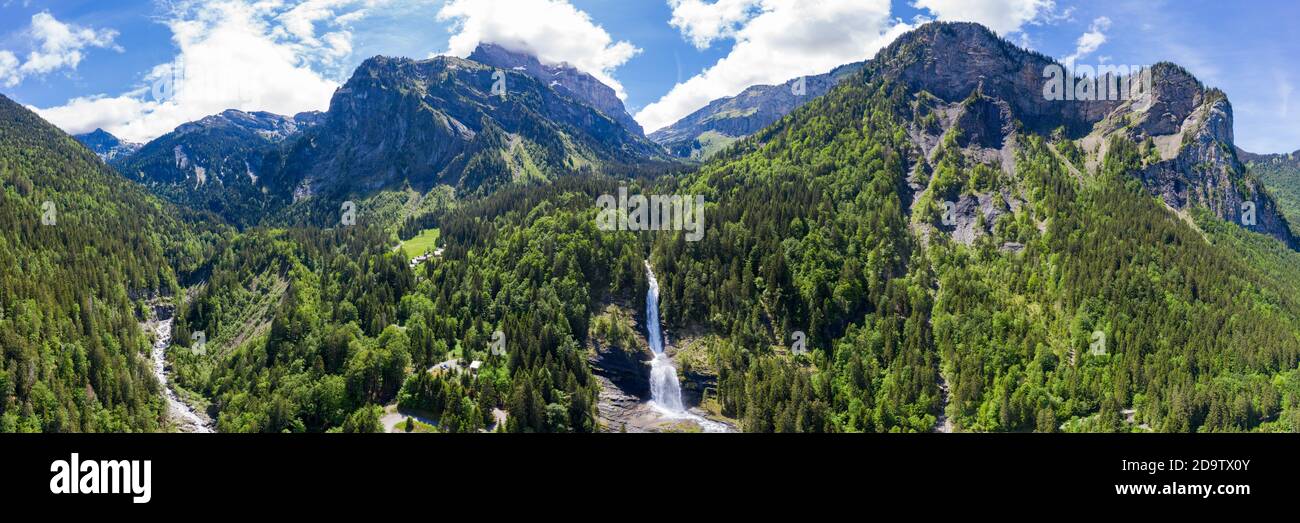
{"x":564,"y":78}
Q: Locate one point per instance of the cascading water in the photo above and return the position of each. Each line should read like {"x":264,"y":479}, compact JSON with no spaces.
{"x":665,"y":390}
{"x":184,"y":415}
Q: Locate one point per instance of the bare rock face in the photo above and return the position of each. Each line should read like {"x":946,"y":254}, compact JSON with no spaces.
{"x":564,"y":78}
{"x":443,"y":121}
{"x":1206,"y":171}
{"x":215,"y":163}
{"x":985,"y":122}
{"x":974,"y":215}
{"x":1192,"y":127}
{"x":953,"y":60}
{"x":1001,"y":89}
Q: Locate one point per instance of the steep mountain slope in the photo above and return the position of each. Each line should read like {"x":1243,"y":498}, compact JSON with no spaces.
{"x":564,"y":78}
{"x":215,"y":164}
{"x":107,"y":146}
{"x":951,"y":242}
{"x":1184,"y":128}
{"x":400,"y":121}
{"x":706,"y":131}
{"x":1281,"y":175}
{"x":80,"y":248}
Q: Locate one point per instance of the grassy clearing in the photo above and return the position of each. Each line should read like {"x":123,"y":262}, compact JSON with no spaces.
{"x":426,"y":241}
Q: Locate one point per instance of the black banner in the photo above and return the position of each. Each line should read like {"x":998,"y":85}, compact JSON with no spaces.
{"x":399,"y":476}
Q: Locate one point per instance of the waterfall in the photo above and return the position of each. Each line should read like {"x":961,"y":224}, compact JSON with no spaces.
{"x":665,"y":390}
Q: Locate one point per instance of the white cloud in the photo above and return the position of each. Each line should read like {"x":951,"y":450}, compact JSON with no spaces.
{"x":252,"y":55}
{"x":703,"y":22}
{"x":55,"y":45}
{"x":60,"y":44}
{"x":784,"y":39}
{"x":1091,"y":40}
{"x":299,"y":24}
{"x":552,"y":30}
{"x":9,"y":76}
{"x":1002,"y":16}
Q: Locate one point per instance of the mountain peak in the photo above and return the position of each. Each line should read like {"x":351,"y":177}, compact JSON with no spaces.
{"x":562,"y":77}
{"x":440,"y":121}
{"x":271,"y":126}
{"x":105,"y":145}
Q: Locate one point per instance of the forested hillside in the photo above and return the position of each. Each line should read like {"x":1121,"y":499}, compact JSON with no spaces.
{"x":814,"y":229}
{"x":80,"y":247}
{"x":215,"y":164}
{"x":1281,"y":173}
{"x":353,"y":327}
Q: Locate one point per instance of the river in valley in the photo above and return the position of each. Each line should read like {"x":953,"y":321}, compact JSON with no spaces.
{"x":185,"y":418}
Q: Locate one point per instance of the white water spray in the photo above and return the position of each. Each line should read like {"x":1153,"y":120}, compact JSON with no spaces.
{"x":665,"y":389}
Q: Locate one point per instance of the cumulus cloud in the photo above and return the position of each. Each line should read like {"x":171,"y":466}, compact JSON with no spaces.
{"x":1091,"y":40}
{"x":1002,"y":16}
{"x":300,"y":23}
{"x":60,"y":45}
{"x":252,"y":55}
{"x":553,"y":30}
{"x":703,"y":22}
{"x":780,"y":40}
{"x":55,"y":46}
{"x":9,"y":76}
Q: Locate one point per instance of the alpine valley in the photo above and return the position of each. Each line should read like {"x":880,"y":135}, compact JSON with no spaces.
{"x":922,"y":242}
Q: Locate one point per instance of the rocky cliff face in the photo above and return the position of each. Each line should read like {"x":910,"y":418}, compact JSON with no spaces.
{"x":1191,"y":128}
{"x":450,"y":121}
{"x":107,"y":146}
{"x":725,"y":120}
{"x":952,"y":60}
{"x":988,"y":91}
{"x":397,"y":121}
{"x":563,"y":78}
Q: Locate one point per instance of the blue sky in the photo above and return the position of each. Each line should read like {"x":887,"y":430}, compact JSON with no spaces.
{"x":140,"y":67}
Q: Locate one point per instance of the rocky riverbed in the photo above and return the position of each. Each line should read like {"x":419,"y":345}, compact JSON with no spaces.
{"x":179,"y":414}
